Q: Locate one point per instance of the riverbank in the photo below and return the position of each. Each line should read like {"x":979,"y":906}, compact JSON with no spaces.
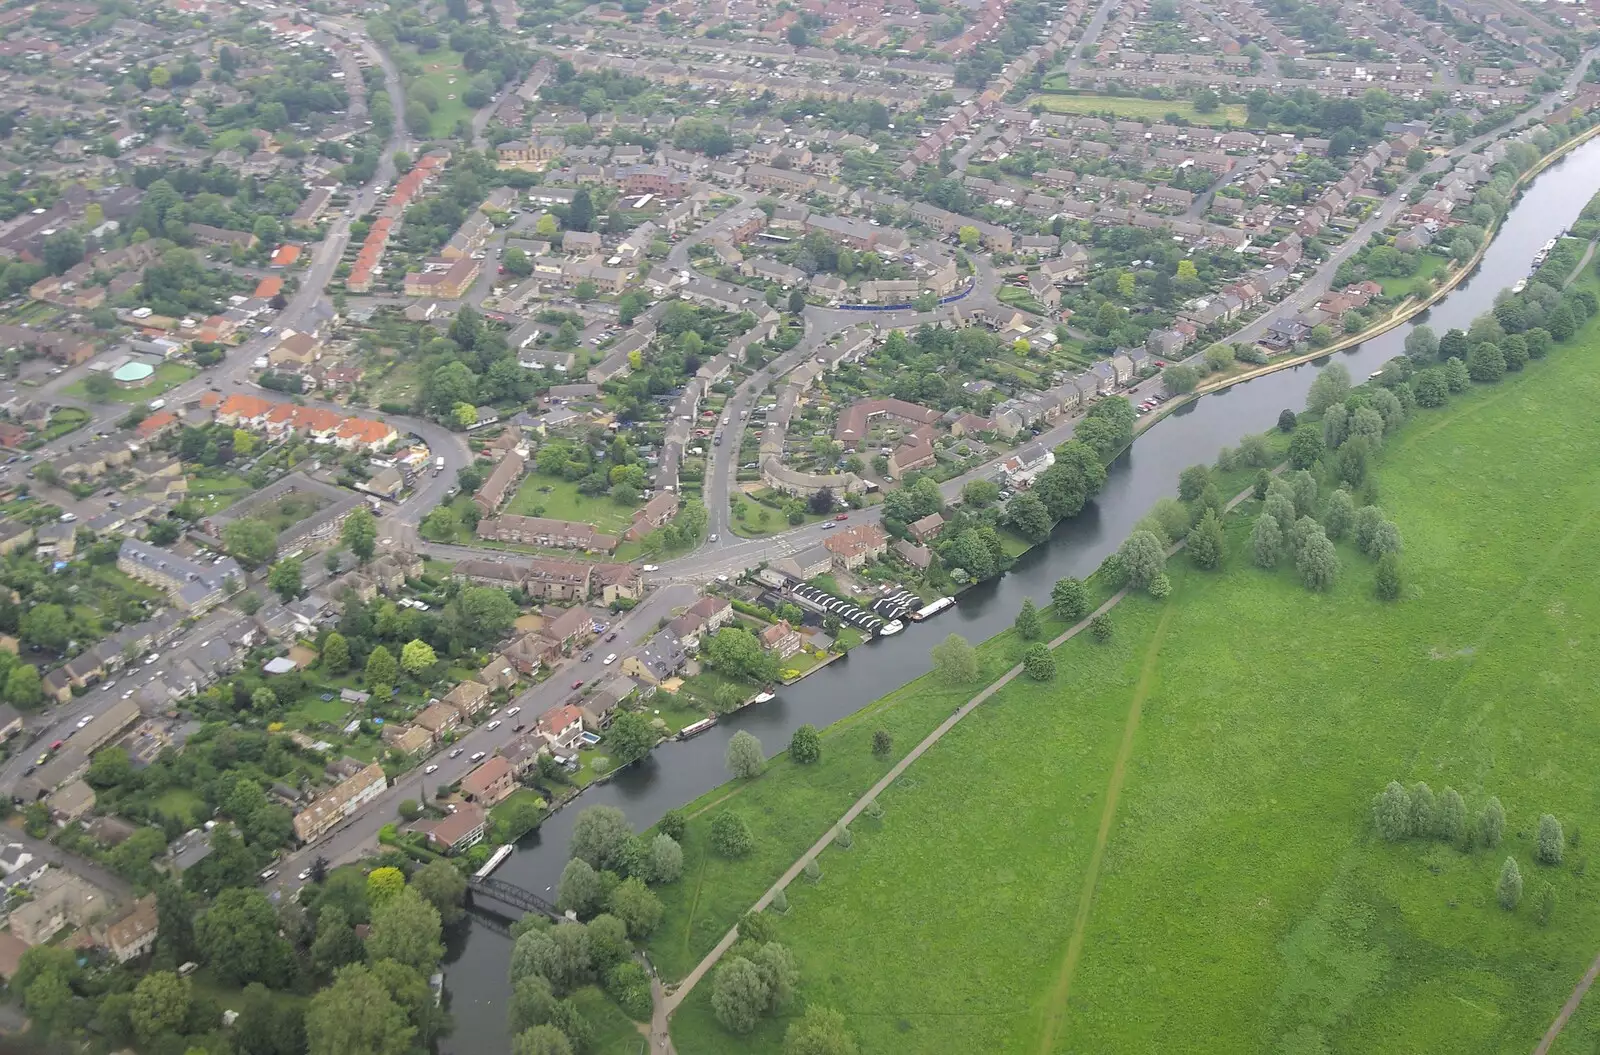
{"x":1402,"y":315}
{"x":1008,"y":898}
{"x":682,"y":772}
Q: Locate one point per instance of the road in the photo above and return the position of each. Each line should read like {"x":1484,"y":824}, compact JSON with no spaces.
{"x":95,"y":873}
{"x":358,"y":836}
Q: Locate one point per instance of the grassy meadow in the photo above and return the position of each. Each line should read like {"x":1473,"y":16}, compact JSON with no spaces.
{"x":1170,"y":846}
{"x":1134,"y":108}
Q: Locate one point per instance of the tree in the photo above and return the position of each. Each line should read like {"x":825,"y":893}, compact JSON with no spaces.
{"x":360,"y":533}
{"x":1508,"y":890}
{"x":1143,"y":558}
{"x":1552,"y":843}
{"x":1492,"y":823}
{"x":48,"y":1000}
{"x":160,"y":1005}
{"x":821,"y":1031}
{"x":1101,"y":627}
{"x":1450,"y":818}
{"x":540,"y":1040}
{"x":238,"y":937}
{"x":730,"y":836}
{"x":638,"y":908}
{"x":1179,"y":379}
{"x":1306,"y":446}
{"x":1287,"y":420}
{"x":1192,"y":481}
{"x":1207,"y":546}
{"x":46,"y":625}
{"x":284,"y":579}
{"x":739,"y":995}
{"x":1317,"y":561}
{"x":357,"y":1016}
{"x":1339,"y":514}
{"x":1486,"y":363}
{"x":335,"y":653}
{"x":251,"y":541}
{"x":1027,"y":625}
{"x":1424,"y":809}
{"x":1266,"y":542}
{"x":882,"y":743}
{"x":1331,"y":386}
{"x":955,"y":660}
{"x":1039,"y":662}
{"x":381,"y":668}
{"x":561,"y":955}
{"x":1421,"y":344}
{"x":336,"y":943}
{"x":805,"y":746}
{"x":1388,"y":582}
{"x":24,"y":687}
{"x":406,"y":929}
{"x":1391,"y":812}
{"x":579,"y":889}
{"x":1070,"y":598}
{"x":1546,"y":903}
{"x":666,"y":859}
{"x":384,"y":884}
{"x":630,"y":737}
{"x":969,"y":237}
{"x":417,"y":656}
{"x":1030,"y":517}
{"x":744,"y":757}
{"x":602,"y":837}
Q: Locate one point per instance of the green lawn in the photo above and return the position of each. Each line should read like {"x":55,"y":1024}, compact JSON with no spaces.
{"x":61,"y":422}
{"x":443,"y":72}
{"x":182,"y":803}
{"x":215,"y":493}
{"x":559,"y":499}
{"x":1018,"y":297}
{"x":313,"y":709}
{"x":1429,"y":265}
{"x":1170,"y":846}
{"x":1138,"y":109}
{"x":167,"y":375}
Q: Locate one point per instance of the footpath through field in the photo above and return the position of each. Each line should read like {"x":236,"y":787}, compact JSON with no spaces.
{"x":667,"y":1006}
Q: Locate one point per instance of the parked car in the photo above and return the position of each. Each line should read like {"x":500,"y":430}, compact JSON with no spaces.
{"x":842,"y":516}
{"x":268,"y":874}
{"x":610,"y":659}
{"x":304,"y":875}
{"x":477,"y":756}
{"x":578,"y":684}
{"x":456,"y":753}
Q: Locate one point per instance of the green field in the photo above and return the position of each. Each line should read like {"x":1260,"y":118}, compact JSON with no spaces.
{"x":442,"y":71}
{"x":1170,"y":846}
{"x":1136,"y":109}
{"x":559,"y":499}
{"x":167,"y":375}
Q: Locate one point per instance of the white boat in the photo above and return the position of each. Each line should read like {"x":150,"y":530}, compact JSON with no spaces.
{"x":1521,"y":285}
{"x":933,"y":609}
{"x":892,"y":627}
{"x":763,"y":697}
{"x":494,"y":861}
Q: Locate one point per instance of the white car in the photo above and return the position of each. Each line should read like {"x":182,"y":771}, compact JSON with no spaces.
{"x":430,"y":769}
{"x":128,"y":694}
{"x":477,"y":756}
{"x":650,"y":567}
{"x":513,"y":712}
{"x":151,"y":658}
{"x":492,"y":726}
{"x":108,"y":686}
{"x":85,"y":720}
{"x":305,"y":875}
{"x":610,"y":659}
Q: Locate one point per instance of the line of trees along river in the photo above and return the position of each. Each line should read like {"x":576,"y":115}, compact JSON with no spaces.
{"x":678,"y":773}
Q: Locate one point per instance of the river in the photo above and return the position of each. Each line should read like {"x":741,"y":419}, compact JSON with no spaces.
{"x":678,"y":773}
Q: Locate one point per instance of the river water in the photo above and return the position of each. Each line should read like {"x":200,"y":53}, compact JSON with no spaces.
{"x":678,"y":773}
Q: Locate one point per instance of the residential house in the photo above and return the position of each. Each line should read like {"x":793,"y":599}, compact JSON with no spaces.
{"x":857,"y":544}
{"x":781,"y":638}
{"x":490,"y":783}
{"x":661,"y":658}
{"x":329,"y":810}
{"x":469,"y":697}
{"x":461,"y":830}
{"x":135,"y":933}
{"x":561,"y":727}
